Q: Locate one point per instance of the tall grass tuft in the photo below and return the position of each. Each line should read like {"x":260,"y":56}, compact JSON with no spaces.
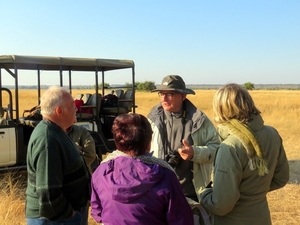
{"x":12,"y":195}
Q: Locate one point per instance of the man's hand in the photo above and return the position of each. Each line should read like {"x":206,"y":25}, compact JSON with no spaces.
{"x":187,"y":151}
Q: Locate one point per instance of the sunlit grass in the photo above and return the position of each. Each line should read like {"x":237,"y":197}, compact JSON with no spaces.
{"x":12,"y":195}
{"x":280,"y":109}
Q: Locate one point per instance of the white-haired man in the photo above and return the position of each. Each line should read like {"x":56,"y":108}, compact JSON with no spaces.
{"x":58,"y":179}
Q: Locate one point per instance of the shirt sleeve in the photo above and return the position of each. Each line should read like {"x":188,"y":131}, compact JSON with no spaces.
{"x":281,"y":173}
{"x":206,"y":141}
{"x":222,"y":197}
{"x":88,"y":147}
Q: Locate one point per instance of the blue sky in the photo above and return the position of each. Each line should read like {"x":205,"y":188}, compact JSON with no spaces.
{"x":206,"y":42}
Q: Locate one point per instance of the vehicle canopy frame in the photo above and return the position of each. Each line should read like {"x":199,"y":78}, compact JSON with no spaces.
{"x":15,"y":134}
{"x":52,"y":63}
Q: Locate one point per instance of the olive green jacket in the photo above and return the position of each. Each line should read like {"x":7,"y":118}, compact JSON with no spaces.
{"x":238,"y":195}
{"x":84,"y":140}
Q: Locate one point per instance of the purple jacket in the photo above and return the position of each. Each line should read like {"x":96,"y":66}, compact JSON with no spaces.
{"x":127,"y":190}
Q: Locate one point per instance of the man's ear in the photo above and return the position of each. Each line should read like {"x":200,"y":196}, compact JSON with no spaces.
{"x":183,"y":97}
{"x":58,"y":110}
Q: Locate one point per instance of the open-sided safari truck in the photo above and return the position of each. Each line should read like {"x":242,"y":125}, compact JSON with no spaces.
{"x":94,"y":112}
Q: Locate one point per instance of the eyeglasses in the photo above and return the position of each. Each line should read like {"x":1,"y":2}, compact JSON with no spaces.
{"x":167,"y":95}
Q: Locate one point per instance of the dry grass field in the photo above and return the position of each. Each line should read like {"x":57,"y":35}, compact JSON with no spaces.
{"x":280,"y":109}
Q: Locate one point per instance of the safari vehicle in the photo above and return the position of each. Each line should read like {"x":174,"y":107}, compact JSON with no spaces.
{"x":16,"y":128}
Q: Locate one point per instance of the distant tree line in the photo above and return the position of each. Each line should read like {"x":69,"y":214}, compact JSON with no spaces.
{"x":249,"y":86}
{"x":145,"y":86}
{"x":150,"y":85}
{"x":140,"y":86}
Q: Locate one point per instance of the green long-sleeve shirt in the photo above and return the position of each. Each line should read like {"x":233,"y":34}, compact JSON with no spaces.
{"x":58,"y":180}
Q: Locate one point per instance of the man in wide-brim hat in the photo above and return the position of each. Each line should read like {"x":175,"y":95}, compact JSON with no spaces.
{"x":183,"y":135}
{"x":174,"y":83}
{"x":172,"y":92}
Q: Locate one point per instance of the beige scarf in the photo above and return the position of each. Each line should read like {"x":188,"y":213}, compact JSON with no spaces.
{"x":246,"y":136}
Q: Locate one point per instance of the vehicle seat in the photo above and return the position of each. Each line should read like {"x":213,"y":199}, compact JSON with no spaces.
{"x":83,"y":114}
{"x":124,"y":105}
{"x":85,"y":97}
{"x":119,"y":93}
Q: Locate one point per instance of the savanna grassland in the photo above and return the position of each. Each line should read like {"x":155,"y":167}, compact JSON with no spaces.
{"x":280,"y":109}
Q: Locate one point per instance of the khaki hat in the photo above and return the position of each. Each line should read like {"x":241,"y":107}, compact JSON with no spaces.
{"x":173,"y":83}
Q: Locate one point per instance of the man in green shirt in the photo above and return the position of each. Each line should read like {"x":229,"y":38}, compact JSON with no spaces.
{"x":58,"y":179}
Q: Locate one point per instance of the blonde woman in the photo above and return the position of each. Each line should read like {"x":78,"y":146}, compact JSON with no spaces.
{"x":250,"y":161}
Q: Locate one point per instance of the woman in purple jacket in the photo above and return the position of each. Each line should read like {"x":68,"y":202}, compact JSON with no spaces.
{"x":132,"y":187}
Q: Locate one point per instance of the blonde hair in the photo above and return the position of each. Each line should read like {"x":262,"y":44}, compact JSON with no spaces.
{"x":232,"y":101}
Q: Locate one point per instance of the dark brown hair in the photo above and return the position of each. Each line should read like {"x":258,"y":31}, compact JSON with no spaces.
{"x":132,"y":133}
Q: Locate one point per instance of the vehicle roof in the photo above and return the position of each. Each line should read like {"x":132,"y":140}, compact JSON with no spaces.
{"x":63,"y":63}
